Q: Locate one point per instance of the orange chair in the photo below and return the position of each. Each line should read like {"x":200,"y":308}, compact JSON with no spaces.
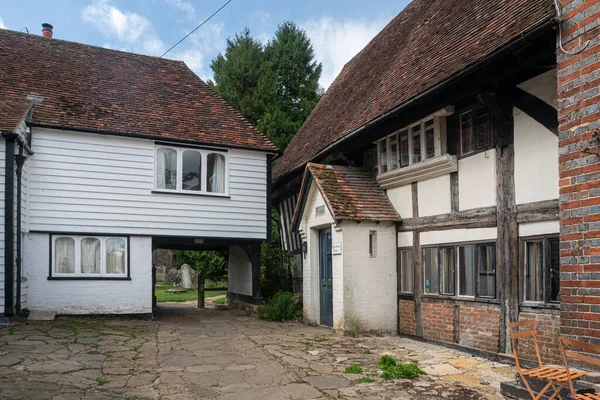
{"x":592,"y":358}
{"x":557,"y":378}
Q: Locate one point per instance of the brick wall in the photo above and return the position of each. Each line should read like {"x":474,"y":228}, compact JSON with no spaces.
{"x":407,"y":317}
{"x":438,"y":322}
{"x":579,"y":115}
{"x":548,"y":327}
{"x":479,"y":327}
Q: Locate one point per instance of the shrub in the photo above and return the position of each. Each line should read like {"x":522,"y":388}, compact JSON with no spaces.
{"x":406,"y":371}
{"x":281,"y":307}
{"x":387,"y":361}
{"x":353,"y":369}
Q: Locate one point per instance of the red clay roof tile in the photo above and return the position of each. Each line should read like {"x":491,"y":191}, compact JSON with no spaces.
{"x":12,"y":113}
{"x":93,"y":88}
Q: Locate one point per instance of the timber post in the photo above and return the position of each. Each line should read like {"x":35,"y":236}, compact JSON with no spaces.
{"x":201,"y":290}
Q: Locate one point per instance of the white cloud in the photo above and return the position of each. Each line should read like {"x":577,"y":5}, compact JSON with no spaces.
{"x":337,"y":41}
{"x":183,"y":6}
{"x":2,"y":26}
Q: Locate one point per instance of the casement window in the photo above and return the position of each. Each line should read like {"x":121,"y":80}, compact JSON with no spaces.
{"x":540,"y":271}
{"x":406,"y":271}
{"x":89,"y":256}
{"x":190,"y":170}
{"x":476,"y":131}
{"x":411,"y":145}
{"x":469,"y":267}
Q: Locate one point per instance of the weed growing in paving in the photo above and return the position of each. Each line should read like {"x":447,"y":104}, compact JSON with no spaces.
{"x":353,"y":369}
{"x":101,"y":381}
{"x":306,"y":342}
{"x":352,"y":333}
{"x":283,"y":306}
{"x":367,"y":351}
{"x":394,"y":370}
{"x":320,"y":339}
{"x":364,"y":379}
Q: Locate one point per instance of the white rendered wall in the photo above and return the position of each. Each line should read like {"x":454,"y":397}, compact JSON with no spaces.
{"x":370,"y":283}
{"x":434,"y":196}
{"x":536,"y":148}
{"x":89,"y":296}
{"x":103,"y":184}
{"x":539,"y":228}
{"x":2,"y":185}
{"x":458,"y":236}
{"x":401,"y":199}
{"x":477,"y":180}
{"x":239,"y":272}
{"x":405,"y":239}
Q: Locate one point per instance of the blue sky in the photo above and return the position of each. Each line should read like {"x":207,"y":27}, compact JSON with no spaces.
{"x":338,"y":28}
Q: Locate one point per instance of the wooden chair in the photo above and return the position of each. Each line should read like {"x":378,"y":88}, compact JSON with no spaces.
{"x":557,"y":378}
{"x":592,"y":358}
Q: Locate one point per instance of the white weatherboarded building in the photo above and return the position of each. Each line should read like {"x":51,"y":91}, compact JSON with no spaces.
{"x":104,"y":174}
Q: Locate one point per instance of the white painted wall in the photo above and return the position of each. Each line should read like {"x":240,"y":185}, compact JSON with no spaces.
{"x":103,"y":184}
{"x":434,"y":196}
{"x":539,"y":228}
{"x":477,"y":180}
{"x":370,"y":283}
{"x":239,"y":272}
{"x":405,"y":239}
{"x":401,"y":199}
{"x":93,"y":296}
{"x":458,"y":235}
{"x":2,"y":184}
{"x":536,"y":148}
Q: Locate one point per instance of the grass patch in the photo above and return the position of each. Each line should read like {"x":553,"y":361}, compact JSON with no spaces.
{"x":320,"y":339}
{"x":283,"y":306}
{"x":394,"y":370}
{"x":364,"y":379}
{"x":101,"y":381}
{"x":353,"y":369}
{"x":220,"y":301}
{"x":192,"y":294}
{"x":306,"y":342}
{"x":351,"y":333}
{"x":94,"y":352}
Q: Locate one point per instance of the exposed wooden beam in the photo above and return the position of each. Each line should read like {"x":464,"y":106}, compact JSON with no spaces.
{"x":547,"y":210}
{"x":474,"y":218}
{"x":454,"y":204}
{"x":536,"y":108}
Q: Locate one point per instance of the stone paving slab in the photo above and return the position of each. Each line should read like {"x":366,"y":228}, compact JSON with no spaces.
{"x":41,"y":315}
{"x":186,"y":353}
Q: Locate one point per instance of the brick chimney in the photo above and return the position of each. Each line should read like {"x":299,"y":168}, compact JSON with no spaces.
{"x":47,"y":30}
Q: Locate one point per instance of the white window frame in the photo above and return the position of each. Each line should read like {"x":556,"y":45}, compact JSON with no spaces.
{"x":78,"y":274}
{"x":204,"y":152}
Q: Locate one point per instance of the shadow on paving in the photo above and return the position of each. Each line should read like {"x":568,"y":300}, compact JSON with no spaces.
{"x":186,"y":353}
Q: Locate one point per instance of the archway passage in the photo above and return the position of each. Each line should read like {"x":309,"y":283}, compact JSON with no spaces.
{"x":242,"y":263}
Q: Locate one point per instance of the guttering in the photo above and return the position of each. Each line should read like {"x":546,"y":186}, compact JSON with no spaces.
{"x":523,"y":38}
{"x":19,"y":139}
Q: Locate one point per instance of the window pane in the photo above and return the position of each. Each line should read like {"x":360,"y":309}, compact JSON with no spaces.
{"x":383,"y":157}
{"x":64,"y":259}
{"x":466,"y":132}
{"x":487,"y":270}
{"x":191,"y":178}
{"x":416,"y":143}
{"x":90,"y":256}
{"x":215,"y":173}
{"x":482,"y":128}
{"x":394,"y":152}
{"x":447,"y":261}
{"x":406,"y":271}
{"x":115,"y":256}
{"x":466,"y":272}
{"x":430,"y":265}
{"x":534,"y":271}
{"x":404,"y":152}
{"x":166,"y":169}
{"x":554,"y":270}
{"x":429,"y":139}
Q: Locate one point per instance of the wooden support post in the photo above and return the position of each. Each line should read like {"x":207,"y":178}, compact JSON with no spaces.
{"x":454,"y":205}
{"x":418,"y":271}
{"x":255,"y":258}
{"x":201,"y":290}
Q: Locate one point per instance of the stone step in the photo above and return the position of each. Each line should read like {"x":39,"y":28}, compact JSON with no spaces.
{"x":593,"y":377}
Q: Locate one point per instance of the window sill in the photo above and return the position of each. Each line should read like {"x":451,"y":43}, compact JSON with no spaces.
{"x":89,"y":278}
{"x":191,"y":193}
{"x":458,"y":298}
{"x":547,"y":306}
{"x":424,"y":170}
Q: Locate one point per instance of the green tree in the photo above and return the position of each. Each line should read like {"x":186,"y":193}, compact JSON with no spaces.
{"x":211,"y":263}
{"x":275,"y":86}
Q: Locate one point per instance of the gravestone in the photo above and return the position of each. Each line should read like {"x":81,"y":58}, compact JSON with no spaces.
{"x":161,"y":273}
{"x":186,"y":277}
{"x":173,"y":277}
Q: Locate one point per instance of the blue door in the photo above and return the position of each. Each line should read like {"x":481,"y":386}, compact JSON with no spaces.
{"x":325,"y":277}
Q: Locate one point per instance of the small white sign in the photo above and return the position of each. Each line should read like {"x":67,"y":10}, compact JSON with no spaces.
{"x":337,"y":248}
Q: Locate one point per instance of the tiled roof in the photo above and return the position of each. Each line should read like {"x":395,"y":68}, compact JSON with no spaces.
{"x":97,"y":89}
{"x":350,"y":193}
{"x":12,"y":113}
{"x":426,"y":44}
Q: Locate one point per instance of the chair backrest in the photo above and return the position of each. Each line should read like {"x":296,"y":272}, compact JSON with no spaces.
{"x":528,"y":331}
{"x":573,"y":349}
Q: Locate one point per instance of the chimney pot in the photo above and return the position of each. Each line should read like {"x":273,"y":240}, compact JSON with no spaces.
{"x":47,"y":30}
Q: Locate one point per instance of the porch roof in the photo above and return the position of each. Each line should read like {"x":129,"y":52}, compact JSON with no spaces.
{"x":12,"y":113}
{"x":350,"y":193}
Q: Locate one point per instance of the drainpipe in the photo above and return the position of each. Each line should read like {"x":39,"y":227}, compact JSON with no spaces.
{"x":9,"y":229}
{"x":20,"y":161}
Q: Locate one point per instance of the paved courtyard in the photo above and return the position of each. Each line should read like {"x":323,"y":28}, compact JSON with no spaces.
{"x":219,"y":354}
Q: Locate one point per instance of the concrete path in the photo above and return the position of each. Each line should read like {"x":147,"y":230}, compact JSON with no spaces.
{"x":187,"y":353}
